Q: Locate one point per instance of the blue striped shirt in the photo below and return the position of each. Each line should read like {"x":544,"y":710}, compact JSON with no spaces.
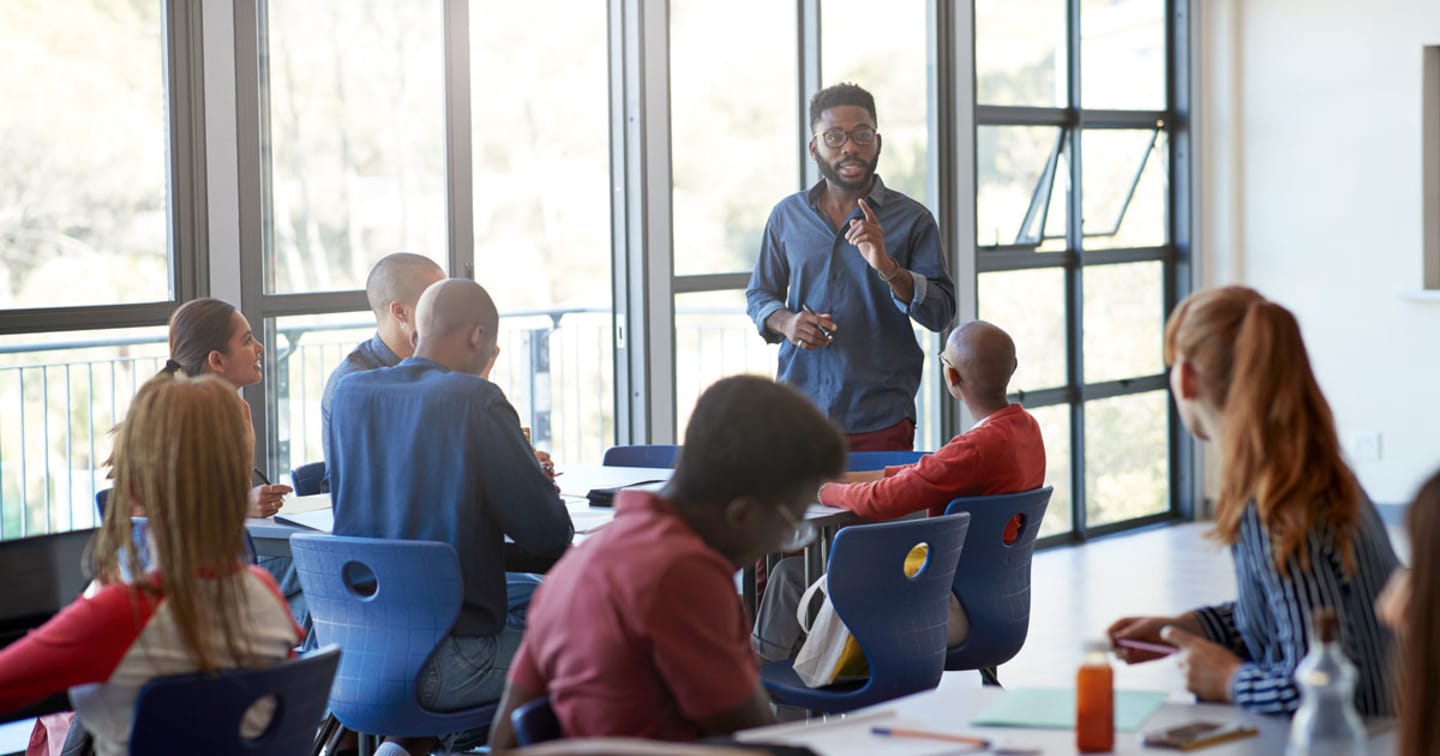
{"x":1268,"y":626}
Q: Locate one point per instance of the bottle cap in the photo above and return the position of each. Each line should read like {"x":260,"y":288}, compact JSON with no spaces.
{"x":1097,"y":646}
{"x":1325,"y":624}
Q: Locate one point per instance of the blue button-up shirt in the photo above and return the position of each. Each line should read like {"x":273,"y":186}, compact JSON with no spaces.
{"x":367,"y":355}
{"x":866,"y":379}
{"x":423,"y":453}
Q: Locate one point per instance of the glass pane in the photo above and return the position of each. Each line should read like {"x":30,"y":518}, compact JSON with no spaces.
{"x":893,"y":68}
{"x":530,"y":130}
{"x":356,"y":138}
{"x":83,"y":201}
{"x":1017,"y":200}
{"x":1126,"y":450}
{"x":734,"y":121}
{"x":555,"y":368}
{"x":60,"y":394}
{"x":1020,"y":56}
{"x":1030,"y":306}
{"x":1124,"y":320}
{"x":714,"y":339}
{"x":1122,"y":54}
{"x":1121,"y":210}
{"x":1055,"y":428}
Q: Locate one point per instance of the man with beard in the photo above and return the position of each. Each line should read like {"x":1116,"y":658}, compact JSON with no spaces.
{"x":843,"y":267}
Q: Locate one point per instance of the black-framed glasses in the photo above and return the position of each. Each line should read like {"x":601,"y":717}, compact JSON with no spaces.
{"x":835,"y":138}
{"x":802,"y":532}
{"x":944,"y":361}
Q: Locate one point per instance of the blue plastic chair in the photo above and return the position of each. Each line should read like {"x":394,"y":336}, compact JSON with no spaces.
{"x":535,"y":722}
{"x":899,"y":621}
{"x":139,"y":526}
{"x":308,"y":479}
{"x":992,"y":582}
{"x":202,"y":713}
{"x":387,"y":630}
{"x":642,"y":455}
{"x":102,"y":497}
{"x":861,"y":461}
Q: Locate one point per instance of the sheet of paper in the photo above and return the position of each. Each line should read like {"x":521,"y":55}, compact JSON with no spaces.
{"x":322,"y":520}
{"x":1055,"y":708}
{"x":298,"y":504}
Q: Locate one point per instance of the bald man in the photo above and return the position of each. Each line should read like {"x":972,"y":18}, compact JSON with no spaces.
{"x":393,"y":289}
{"x":431,"y":450}
{"x":1002,"y":453}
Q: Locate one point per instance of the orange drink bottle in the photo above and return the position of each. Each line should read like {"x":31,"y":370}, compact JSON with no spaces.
{"x":1095,"y":700}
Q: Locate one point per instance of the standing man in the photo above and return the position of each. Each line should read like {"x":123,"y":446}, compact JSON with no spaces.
{"x":393,"y":288}
{"x":843,"y":268}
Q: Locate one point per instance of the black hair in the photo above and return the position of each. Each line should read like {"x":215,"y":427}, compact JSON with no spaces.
{"x":199,"y":327}
{"x":842,"y":94}
{"x":751,"y":436}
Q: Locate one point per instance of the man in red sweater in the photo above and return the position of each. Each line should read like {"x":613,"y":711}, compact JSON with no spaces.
{"x":1002,"y":453}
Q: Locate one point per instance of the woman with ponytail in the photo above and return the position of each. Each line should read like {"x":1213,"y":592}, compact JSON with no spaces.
{"x":1302,"y":533}
{"x":210,"y":337}
{"x":183,"y":458}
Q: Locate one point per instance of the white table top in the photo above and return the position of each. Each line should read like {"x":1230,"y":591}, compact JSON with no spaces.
{"x":960,"y":698}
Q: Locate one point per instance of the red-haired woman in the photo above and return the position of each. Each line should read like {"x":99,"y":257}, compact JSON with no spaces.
{"x":1302,"y":533}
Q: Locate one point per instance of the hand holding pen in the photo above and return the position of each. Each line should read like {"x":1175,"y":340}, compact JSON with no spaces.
{"x":810,"y":329}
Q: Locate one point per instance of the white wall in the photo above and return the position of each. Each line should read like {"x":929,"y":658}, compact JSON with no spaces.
{"x":1311,"y":193}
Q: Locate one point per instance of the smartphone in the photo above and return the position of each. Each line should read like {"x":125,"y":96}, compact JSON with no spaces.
{"x":1188,"y":737}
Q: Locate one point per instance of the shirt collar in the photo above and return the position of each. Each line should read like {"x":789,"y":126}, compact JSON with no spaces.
{"x":878,"y":196}
{"x":1007,"y":410}
{"x":383,"y":351}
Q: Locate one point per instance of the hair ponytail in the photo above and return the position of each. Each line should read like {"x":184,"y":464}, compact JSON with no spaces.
{"x":1279,"y":447}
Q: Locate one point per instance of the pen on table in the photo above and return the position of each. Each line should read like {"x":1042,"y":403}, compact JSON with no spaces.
{"x":829,"y":334}
{"x":1154,"y":648}
{"x":900,"y":732}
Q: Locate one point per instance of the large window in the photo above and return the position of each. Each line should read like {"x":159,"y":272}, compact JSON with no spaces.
{"x":93,"y":249}
{"x":1076,"y":231}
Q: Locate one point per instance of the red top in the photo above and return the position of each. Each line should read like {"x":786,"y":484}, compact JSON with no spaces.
{"x":638,"y":631}
{"x":1003,"y":453}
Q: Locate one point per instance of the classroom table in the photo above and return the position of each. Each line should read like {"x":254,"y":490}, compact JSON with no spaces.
{"x":272,"y":537}
{"x":950,"y":707}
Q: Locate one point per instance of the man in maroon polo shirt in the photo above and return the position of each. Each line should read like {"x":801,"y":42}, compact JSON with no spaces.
{"x":639,"y":631}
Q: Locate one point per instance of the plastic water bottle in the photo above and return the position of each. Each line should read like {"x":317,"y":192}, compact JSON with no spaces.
{"x":1326,"y":723}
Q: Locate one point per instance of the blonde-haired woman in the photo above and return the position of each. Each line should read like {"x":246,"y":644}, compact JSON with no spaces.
{"x":181,"y":456}
{"x":1302,"y":533}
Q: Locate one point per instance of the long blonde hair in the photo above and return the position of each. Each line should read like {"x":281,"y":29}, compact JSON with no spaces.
{"x":1279,"y":447}
{"x":181,"y":459}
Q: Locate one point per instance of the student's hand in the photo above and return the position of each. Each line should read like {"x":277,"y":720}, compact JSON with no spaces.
{"x":1147,"y":630}
{"x":266,"y":500}
{"x":546,"y":464}
{"x":869,"y":238}
{"x":1208,"y":666}
{"x":1393,"y":606}
{"x":803,"y":329}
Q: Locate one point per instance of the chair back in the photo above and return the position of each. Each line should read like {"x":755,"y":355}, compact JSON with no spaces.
{"x":642,"y":455}
{"x":898,"y":620}
{"x":102,"y":497}
{"x":535,"y":722}
{"x":308,"y":479}
{"x":202,"y":713}
{"x":386,"y":603}
{"x":992,"y":582}
{"x":861,"y":461}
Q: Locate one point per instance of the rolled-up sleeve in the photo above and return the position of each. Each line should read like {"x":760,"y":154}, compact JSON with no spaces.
{"x":765,"y":294}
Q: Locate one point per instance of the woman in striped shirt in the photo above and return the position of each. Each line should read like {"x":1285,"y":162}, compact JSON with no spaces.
{"x":1302,"y":533}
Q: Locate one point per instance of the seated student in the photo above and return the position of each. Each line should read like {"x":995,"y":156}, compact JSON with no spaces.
{"x":210,"y":337}
{"x":431,"y":450}
{"x":393,"y":290}
{"x":639,"y":631}
{"x":183,"y":453}
{"x":1410,"y":605}
{"x":1002,"y":453}
{"x":1302,"y":533}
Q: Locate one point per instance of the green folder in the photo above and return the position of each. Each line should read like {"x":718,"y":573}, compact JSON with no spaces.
{"x":1054,"y":708}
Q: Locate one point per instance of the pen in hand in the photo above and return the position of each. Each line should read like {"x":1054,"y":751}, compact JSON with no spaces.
{"x":829,"y":334}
